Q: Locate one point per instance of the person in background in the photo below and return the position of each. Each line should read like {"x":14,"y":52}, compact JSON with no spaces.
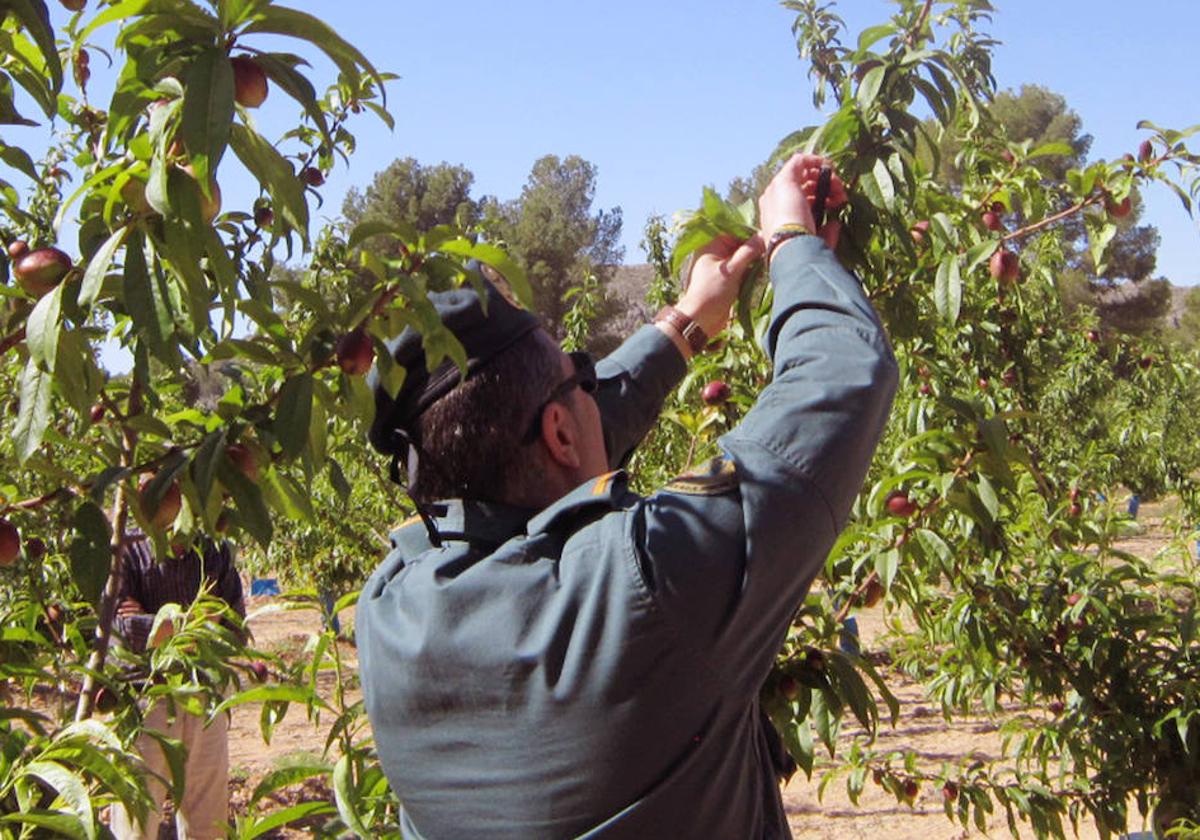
{"x":146,"y":586}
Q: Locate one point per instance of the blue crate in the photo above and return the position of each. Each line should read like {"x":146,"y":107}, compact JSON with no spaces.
{"x":264,"y":586}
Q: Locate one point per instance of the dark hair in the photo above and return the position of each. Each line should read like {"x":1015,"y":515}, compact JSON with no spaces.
{"x":473,"y":435}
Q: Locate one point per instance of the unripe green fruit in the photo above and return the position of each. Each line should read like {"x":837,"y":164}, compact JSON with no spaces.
{"x":40,"y":271}
{"x":133,"y":193}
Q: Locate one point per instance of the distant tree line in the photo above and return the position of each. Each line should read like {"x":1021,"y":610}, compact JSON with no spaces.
{"x":551,"y":227}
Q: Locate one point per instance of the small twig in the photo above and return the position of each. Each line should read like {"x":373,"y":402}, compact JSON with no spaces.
{"x":12,"y":340}
{"x":1095,"y":198}
{"x":911,"y":40}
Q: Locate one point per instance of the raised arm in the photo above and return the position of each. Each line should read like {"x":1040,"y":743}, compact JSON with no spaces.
{"x":637,"y":377}
{"x":732,"y":562}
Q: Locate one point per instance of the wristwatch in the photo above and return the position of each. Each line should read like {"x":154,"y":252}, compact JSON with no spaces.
{"x":692,"y":333}
{"x":782,"y":234}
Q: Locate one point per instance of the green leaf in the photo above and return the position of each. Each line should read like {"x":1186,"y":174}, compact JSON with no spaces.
{"x":987,"y":496}
{"x":346,"y":797}
{"x":56,"y":823}
{"x":498,"y":259}
{"x":278,"y":819}
{"x":868,"y":88}
{"x":337,"y":479}
{"x":1050,"y":149}
{"x":876,"y":192}
{"x":284,"y":21}
{"x":147,"y":301}
{"x":121,"y":11}
{"x":947,"y":290}
{"x":70,"y":788}
{"x":251,"y":508}
{"x":91,"y":551}
{"x":42,"y":329}
{"x":275,"y":175}
{"x":35,"y":19}
{"x":281,"y":69}
{"x":979,"y":254}
{"x":294,"y":413}
{"x":98,"y":267}
{"x":853,"y":689}
{"x":285,"y":777}
{"x":36,"y":386}
{"x":374,"y":227}
{"x":207,"y":113}
{"x":1100,"y":236}
{"x":873,"y":34}
{"x":204,"y":463}
{"x":270,"y":693}
{"x":18,"y":159}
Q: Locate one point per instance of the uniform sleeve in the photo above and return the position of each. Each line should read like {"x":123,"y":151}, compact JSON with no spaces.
{"x":635,"y":380}
{"x":731,"y":560}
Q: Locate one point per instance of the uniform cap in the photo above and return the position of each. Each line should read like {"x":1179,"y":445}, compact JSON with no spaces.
{"x":483,"y":334}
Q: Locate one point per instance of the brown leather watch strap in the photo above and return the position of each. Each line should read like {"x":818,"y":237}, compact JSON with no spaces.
{"x":692,"y":333}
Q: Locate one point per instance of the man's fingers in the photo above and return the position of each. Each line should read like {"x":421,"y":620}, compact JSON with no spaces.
{"x":747,"y":252}
{"x":830,"y":232}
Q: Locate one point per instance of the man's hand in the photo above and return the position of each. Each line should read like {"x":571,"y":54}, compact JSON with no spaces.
{"x":716,"y":279}
{"x":788,"y":199}
{"x":129,"y":607}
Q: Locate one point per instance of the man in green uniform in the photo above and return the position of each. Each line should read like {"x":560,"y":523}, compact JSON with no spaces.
{"x":550,"y":655}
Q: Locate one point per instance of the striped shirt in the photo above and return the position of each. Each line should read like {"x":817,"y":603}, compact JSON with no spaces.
{"x":175,"y":580}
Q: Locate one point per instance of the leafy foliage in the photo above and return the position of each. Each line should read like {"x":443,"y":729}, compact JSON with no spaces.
{"x":1015,"y":415}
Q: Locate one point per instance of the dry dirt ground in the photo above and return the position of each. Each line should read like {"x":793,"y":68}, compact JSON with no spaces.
{"x":877,"y":814}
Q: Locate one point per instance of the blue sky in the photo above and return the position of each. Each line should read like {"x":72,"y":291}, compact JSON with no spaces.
{"x":665,"y":97}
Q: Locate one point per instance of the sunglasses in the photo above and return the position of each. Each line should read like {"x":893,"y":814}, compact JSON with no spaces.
{"x":584,"y":378}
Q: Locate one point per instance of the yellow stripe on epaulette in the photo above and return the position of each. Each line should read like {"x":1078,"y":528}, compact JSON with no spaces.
{"x":601,"y":486}
{"x":712,"y":479}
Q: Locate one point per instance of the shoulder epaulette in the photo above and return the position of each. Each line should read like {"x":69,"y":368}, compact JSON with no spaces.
{"x":713,"y":478}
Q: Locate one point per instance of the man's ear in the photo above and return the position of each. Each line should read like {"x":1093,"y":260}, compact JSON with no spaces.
{"x":560,"y":434}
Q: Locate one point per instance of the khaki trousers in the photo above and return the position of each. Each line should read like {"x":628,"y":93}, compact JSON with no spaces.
{"x":205,"y":806}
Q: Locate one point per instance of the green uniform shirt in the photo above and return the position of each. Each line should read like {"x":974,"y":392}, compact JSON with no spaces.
{"x":592,"y":669}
